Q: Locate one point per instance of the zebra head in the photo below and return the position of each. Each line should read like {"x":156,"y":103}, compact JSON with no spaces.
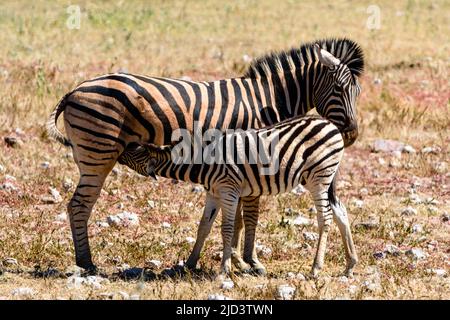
{"x":335,"y":92}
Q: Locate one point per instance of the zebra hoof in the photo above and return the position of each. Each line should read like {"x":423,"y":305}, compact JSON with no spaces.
{"x":259,"y":271}
{"x":92,"y":270}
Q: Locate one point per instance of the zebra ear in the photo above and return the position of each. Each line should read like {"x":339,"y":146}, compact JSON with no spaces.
{"x":326,"y":58}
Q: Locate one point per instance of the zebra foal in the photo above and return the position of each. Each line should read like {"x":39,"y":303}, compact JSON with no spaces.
{"x":304,"y":150}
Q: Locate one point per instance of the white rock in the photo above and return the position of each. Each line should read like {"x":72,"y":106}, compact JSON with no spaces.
{"x":151,"y":204}
{"x":61,"y":217}
{"x":217,"y":296}
{"x":74,"y":282}
{"x":2,"y":169}
{"x":417,"y":228}
{"x":363,"y":192}
{"x":393,"y":250}
{"x":408,"y":149}
{"x":135,"y":297}
{"x":115,"y":171}
{"x":301,"y":221}
{"x":434,"y":150}
{"x":437,"y":272}
{"x":45,"y":165}
{"x":123,"y":295}
{"x":358,"y":203}
{"x":377,"y":81}
{"x":197,"y":189}
{"x":409,"y":211}
{"x":298,"y":190}
{"x":154,"y":264}
{"x":227,"y":285}
{"x":286,"y":292}
{"x":67,"y":184}
{"x":10,"y":262}
{"x":343,"y":279}
{"x":352,"y":289}
{"x":445,"y":217}
{"x":440,"y":166}
{"x":246,"y":58}
{"x":55,"y":194}
{"x":123,"y":219}
{"x":102,"y":224}
{"x":384,"y":145}
{"x":263,"y":250}
{"x":416,"y":254}
{"x":300,"y":277}
{"x":381,"y":161}
{"x":190,"y":240}
{"x":10,"y":178}
{"x":166,"y":225}
{"x":8,"y":186}
{"x":23,"y":292}
{"x":310,"y":236}
{"x":397,"y":154}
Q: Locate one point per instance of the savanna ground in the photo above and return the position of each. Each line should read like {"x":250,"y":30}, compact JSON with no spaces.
{"x":405,"y":97}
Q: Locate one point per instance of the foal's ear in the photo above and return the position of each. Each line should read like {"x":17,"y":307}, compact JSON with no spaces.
{"x":326,"y":58}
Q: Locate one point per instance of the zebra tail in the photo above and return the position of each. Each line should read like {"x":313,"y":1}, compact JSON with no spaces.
{"x":52,"y":130}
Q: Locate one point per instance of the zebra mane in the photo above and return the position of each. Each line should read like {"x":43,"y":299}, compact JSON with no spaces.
{"x":348,"y":51}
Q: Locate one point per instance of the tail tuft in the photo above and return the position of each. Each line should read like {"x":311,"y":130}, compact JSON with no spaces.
{"x":52,"y":130}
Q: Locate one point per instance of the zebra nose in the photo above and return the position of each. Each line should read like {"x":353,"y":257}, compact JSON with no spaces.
{"x":349,"y":135}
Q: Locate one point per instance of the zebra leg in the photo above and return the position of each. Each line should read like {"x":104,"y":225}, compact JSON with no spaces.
{"x":79,"y":210}
{"x":236,"y":257}
{"x":341,"y":218}
{"x":209,"y":215}
{"x":229,"y":199}
{"x":324,"y":219}
{"x":251,"y":213}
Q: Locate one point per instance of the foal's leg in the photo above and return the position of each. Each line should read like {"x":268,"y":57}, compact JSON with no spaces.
{"x":209,"y":215}
{"x":324,"y":219}
{"x":236,"y":256}
{"x":251,"y":213}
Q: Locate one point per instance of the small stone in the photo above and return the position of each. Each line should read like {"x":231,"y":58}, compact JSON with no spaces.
{"x":197,"y":189}
{"x":358,"y":203}
{"x":301,"y":277}
{"x":166,"y":225}
{"x":417,"y":228}
{"x":190,"y":240}
{"x":416,"y":254}
{"x":397,"y":154}
{"x":45,"y":165}
{"x":135,"y":297}
{"x":381,"y":161}
{"x":55,"y":194}
{"x":123,"y":295}
{"x":23,"y":292}
{"x":379,"y":255}
{"x":363,"y":192}
{"x":298,"y":190}
{"x":246,"y":58}
{"x":310,"y":236}
{"x":367,"y":225}
{"x":409,"y":211}
{"x":13,"y":142}
{"x":312,"y":210}
{"x":227,"y":285}
{"x":67,"y":184}
{"x":392,"y":250}
{"x":151,"y":204}
{"x":432,"y":150}
{"x":10,"y":262}
{"x":301,"y":221}
{"x":2,"y":169}
{"x":437,"y":272}
{"x":61,"y":217}
{"x":74,"y":282}
{"x":123,"y":219}
{"x":343,"y":279}
{"x":102,"y":224}
{"x":440,"y":167}
{"x":408,"y":149}
{"x":377,"y":81}
{"x":382,"y":145}
{"x":286,"y":292}
{"x":115,"y":171}
{"x":153,"y":264}
{"x":445,"y":217}
{"x":217,"y":296}
{"x":263,"y":251}
{"x":352,"y":289}
{"x":186,"y":78}
{"x":8,"y":186}
{"x":395,"y":163}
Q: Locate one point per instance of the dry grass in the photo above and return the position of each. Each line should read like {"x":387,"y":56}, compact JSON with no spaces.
{"x":40,"y":59}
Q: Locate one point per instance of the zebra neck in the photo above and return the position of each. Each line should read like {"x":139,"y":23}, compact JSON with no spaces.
{"x":286,"y":94}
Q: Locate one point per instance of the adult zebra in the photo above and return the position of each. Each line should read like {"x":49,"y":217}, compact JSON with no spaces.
{"x":304,"y":150}
{"x":105,"y":115}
